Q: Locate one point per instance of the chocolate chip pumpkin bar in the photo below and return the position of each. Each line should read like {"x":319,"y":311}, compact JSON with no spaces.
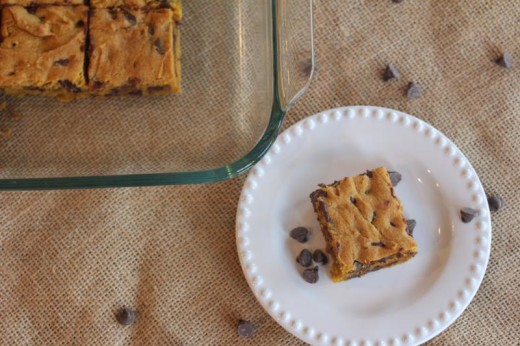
{"x":42,"y":50}
{"x":363,"y":224}
{"x":133,"y":52}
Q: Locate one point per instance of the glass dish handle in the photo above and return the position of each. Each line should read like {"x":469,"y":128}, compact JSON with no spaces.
{"x":295,"y":44}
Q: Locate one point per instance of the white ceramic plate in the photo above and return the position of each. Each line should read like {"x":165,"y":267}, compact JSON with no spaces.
{"x":403,"y":305}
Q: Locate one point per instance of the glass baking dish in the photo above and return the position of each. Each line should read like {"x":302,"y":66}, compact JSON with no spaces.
{"x":244,"y":63}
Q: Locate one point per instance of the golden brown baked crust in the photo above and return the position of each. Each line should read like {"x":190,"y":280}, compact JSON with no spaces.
{"x":42,"y":52}
{"x":26,"y":3}
{"x":174,"y":5}
{"x":132,"y":52}
{"x":363,"y":224}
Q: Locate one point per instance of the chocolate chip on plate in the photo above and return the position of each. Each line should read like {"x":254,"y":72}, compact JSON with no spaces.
{"x":468,"y":214}
{"x":505,"y":60}
{"x":495,"y":203}
{"x":245,"y":328}
{"x":319,"y":257}
{"x":410,"y":226}
{"x":311,"y":275}
{"x":300,"y":234}
{"x":304,"y":258}
{"x":126,"y":316}
{"x":61,"y":62}
{"x":414,"y":91}
{"x":391,"y":72}
{"x":395,"y":177}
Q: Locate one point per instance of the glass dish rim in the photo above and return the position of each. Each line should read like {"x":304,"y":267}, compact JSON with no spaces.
{"x":176,"y":178}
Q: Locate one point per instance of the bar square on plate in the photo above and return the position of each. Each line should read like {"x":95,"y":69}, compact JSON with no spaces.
{"x":174,"y":5}
{"x":42,"y":50}
{"x":133,"y":52}
{"x":363,"y":224}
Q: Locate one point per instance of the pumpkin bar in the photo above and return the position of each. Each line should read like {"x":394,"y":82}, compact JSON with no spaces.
{"x":133,"y":52}
{"x":174,"y":5}
{"x":363,"y":224}
{"x":42,"y":50}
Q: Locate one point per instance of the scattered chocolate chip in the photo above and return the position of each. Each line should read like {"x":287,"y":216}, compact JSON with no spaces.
{"x":61,"y":62}
{"x":391,"y":72}
{"x":392,"y":224}
{"x":300,"y":234}
{"x":379,"y":244}
{"x":80,"y":24}
{"x":358,"y":265}
{"x":151,"y":29}
{"x":129,"y":17}
{"x":159,"y":46}
{"x":126,"y":316}
{"x":304,"y":258}
{"x":414,"y":91}
{"x":113,"y":13}
{"x":495,"y":203}
{"x":395,"y":177}
{"x":318,"y":193}
{"x":322,"y":211}
{"x":353,"y":200}
{"x":12,"y":73}
{"x":32,"y":9}
{"x":468,"y":214}
{"x":369,"y":174}
{"x":410,"y":226}
{"x":97,"y":85}
{"x":67,"y":84}
{"x":245,"y":328}
{"x":164,"y":4}
{"x":374,"y":215}
{"x":505,"y":60}
{"x":311,"y":275}
{"x":319,"y":257}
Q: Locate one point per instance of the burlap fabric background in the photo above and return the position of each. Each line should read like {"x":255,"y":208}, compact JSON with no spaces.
{"x":69,"y":259}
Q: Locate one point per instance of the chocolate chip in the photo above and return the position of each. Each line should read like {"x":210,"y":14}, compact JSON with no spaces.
{"x":67,"y":84}
{"x":414,"y":91}
{"x":80,"y":24}
{"x":32,"y":9}
{"x":495,"y":203}
{"x":61,"y":62}
{"x":410,"y":226}
{"x":159,"y":46}
{"x":353,"y":200}
{"x":369,"y":174}
{"x":300,"y":234}
{"x":468,"y":214}
{"x":151,"y":29}
{"x":358,"y":265}
{"x":129,"y":17}
{"x":304,"y":258}
{"x":322,"y":210}
{"x":392,"y":224}
{"x":319,"y":257}
{"x":505,"y":60}
{"x":126,"y":316}
{"x":135,"y":92}
{"x":374,"y":215}
{"x":245,"y":328}
{"x":311,"y":275}
{"x":395,"y":177}
{"x":379,"y":244}
{"x":318,"y":193}
{"x":113,"y":13}
{"x":391,"y":72}
{"x":164,"y":4}
{"x":97,"y":85}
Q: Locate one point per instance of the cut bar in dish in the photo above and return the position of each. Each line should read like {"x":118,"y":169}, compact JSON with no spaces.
{"x":133,"y":52}
{"x":363,"y":224}
{"x":42,"y":50}
{"x":174,"y":5}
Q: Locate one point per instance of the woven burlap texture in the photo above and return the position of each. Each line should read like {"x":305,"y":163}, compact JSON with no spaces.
{"x":69,"y":259}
